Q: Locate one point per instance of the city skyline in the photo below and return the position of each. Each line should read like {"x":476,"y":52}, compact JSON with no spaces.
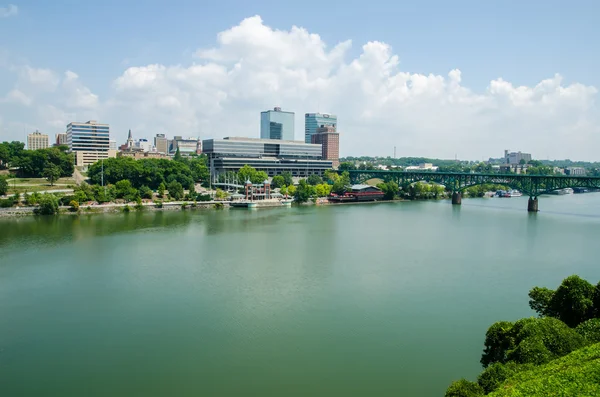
{"x":460,"y":97}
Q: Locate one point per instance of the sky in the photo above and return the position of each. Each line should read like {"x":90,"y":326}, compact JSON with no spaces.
{"x":441,"y":79}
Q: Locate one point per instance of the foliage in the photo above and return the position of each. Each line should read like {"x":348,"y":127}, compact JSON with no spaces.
{"x":10,"y":152}
{"x":145,"y":192}
{"x":177,"y":156}
{"x":139,"y":206}
{"x":3,"y":185}
{"x":572,"y":302}
{"x":125,"y":191}
{"x":346,"y":166}
{"x":51,"y":173}
{"x":590,"y":330}
{"x":204,"y":197}
{"x":314,"y":180}
{"x":304,"y":192}
{"x":331,"y":176}
{"x":481,"y":190}
{"x":33,"y":198}
{"x":291,"y":190}
{"x":497,"y":373}
{"x":48,"y":205}
{"x":575,"y":374}
{"x":284,"y":190}
{"x":220,"y":194}
{"x":277,"y":182}
{"x":158,"y":204}
{"x":151,"y":172}
{"x":342,"y":185}
{"x":530,"y":340}
{"x":6,"y":203}
{"x":287,"y":178}
{"x":464,"y":388}
{"x":126,"y":209}
{"x":219,"y":206}
{"x":323,"y":190}
{"x":32,"y":163}
{"x":389,"y":189}
{"x":161,"y":189}
{"x":175,"y":190}
{"x":74,"y":205}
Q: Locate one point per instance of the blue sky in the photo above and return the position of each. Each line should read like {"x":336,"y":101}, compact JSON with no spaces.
{"x":520,"y":42}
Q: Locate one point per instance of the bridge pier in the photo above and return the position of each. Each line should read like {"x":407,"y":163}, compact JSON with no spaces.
{"x":456,"y":198}
{"x":532,"y":204}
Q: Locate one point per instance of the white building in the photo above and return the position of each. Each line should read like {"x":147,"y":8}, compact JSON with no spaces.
{"x":516,"y":157}
{"x":89,"y":141}
{"x":36,"y":140}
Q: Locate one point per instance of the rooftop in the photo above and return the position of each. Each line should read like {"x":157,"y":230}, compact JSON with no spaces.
{"x":259,"y":140}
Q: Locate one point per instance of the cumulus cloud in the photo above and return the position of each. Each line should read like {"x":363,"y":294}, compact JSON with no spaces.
{"x":253,"y":67}
{"x":9,"y":11}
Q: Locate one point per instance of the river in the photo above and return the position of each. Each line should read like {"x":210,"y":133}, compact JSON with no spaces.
{"x":378,"y":300}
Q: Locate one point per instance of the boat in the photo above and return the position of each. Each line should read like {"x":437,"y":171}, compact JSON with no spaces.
{"x":512,"y":193}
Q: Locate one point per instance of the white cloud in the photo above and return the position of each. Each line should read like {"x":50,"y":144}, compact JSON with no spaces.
{"x":16,"y":96}
{"x":9,"y":11}
{"x":254,"y":67}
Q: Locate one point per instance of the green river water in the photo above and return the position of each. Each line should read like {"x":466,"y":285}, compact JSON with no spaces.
{"x":357,"y":300}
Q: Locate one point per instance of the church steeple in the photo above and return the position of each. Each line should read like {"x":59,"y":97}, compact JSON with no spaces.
{"x":129,"y":140}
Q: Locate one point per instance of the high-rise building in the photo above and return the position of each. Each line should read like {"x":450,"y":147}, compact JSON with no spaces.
{"x":329,"y":139}
{"x":277,"y":124}
{"x":312,"y":121}
{"x":36,"y":140}
{"x":516,"y":157}
{"x":161,"y":143}
{"x":61,"y":139}
{"x":186,"y":146}
{"x":89,"y":141}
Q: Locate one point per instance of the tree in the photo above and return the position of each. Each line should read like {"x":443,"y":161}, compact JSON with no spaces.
{"x":220,"y":194}
{"x":522,"y":162}
{"x":284,"y":191}
{"x":389,"y":189}
{"x":161,"y":190}
{"x":246,"y":173}
{"x":177,"y":156}
{"x":495,"y":374}
{"x":3,"y":185}
{"x":342,"y":185}
{"x":145,"y":192}
{"x":345,"y":166}
{"x":48,"y":205}
{"x":331,"y":176}
{"x":323,"y":190}
{"x":278,"y":181}
{"x":287,"y":178}
{"x":590,"y":330}
{"x":572,"y":302}
{"x":51,"y":173}
{"x":464,"y":388}
{"x":303,"y":192}
{"x":175,"y":190}
{"x":259,"y":177}
{"x":314,"y":180}
{"x":291,"y":190}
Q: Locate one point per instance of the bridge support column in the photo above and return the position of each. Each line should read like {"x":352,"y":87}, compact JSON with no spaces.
{"x":456,"y":198}
{"x":532,"y":204}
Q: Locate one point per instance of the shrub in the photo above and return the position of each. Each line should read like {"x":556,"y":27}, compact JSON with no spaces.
{"x":464,"y":388}
{"x":219,"y":206}
{"x":158,"y":204}
{"x":74,"y":206}
{"x":204,"y":197}
{"x":6,"y":203}
{"x":48,"y":205}
{"x":126,"y":209}
{"x":590,"y":330}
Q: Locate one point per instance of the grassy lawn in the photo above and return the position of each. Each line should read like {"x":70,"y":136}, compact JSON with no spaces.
{"x":374,"y":181}
{"x":31,"y":185}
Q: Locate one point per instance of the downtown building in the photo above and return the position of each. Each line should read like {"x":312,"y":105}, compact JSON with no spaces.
{"x":273,"y":156}
{"x":329,"y":139}
{"x":312,"y":121}
{"x":61,"y":139}
{"x":89,"y":142}
{"x":277,"y":124}
{"x":36,"y":140}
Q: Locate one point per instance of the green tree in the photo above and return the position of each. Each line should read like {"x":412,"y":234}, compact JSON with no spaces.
{"x":331,"y":176}
{"x":175,"y":190}
{"x":590,"y":330}
{"x":161,"y":190}
{"x":74,"y":205}
{"x":48,"y":205}
{"x":464,"y":388}
{"x":220,"y":194}
{"x":284,"y":190}
{"x":145,"y":192}
{"x":389,"y":189}
{"x":493,"y":376}
{"x":177,"y":156}
{"x":572,"y":302}
{"x":3,"y":185}
{"x":342,"y":185}
{"x":323,"y":190}
{"x":346,"y":166}
{"x":246,"y":173}
{"x":291,"y":190}
{"x":51,"y":173}
{"x":278,"y":181}
{"x":287,"y":178}
{"x":314,"y":180}
{"x":303,"y":192}
{"x":259,"y":177}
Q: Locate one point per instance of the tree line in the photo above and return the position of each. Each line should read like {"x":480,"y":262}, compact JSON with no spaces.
{"x":51,"y":163}
{"x":569,"y":319}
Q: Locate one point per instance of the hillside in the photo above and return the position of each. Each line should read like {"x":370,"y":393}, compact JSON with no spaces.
{"x":576,"y":374}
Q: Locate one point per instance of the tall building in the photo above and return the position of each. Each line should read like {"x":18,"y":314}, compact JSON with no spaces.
{"x":329,"y":139}
{"x":277,"y":124}
{"x":89,"y":141}
{"x":61,"y":139}
{"x":36,"y":140}
{"x":273,"y":156}
{"x":186,"y":146}
{"x":516,"y":157}
{"x":312,"y":121}
{"x":161,"y":143}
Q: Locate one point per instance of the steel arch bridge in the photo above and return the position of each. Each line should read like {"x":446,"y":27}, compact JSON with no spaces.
{"x":531,"y":185}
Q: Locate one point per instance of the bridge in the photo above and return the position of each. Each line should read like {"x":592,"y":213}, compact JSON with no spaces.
{"x":531,"y":185}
